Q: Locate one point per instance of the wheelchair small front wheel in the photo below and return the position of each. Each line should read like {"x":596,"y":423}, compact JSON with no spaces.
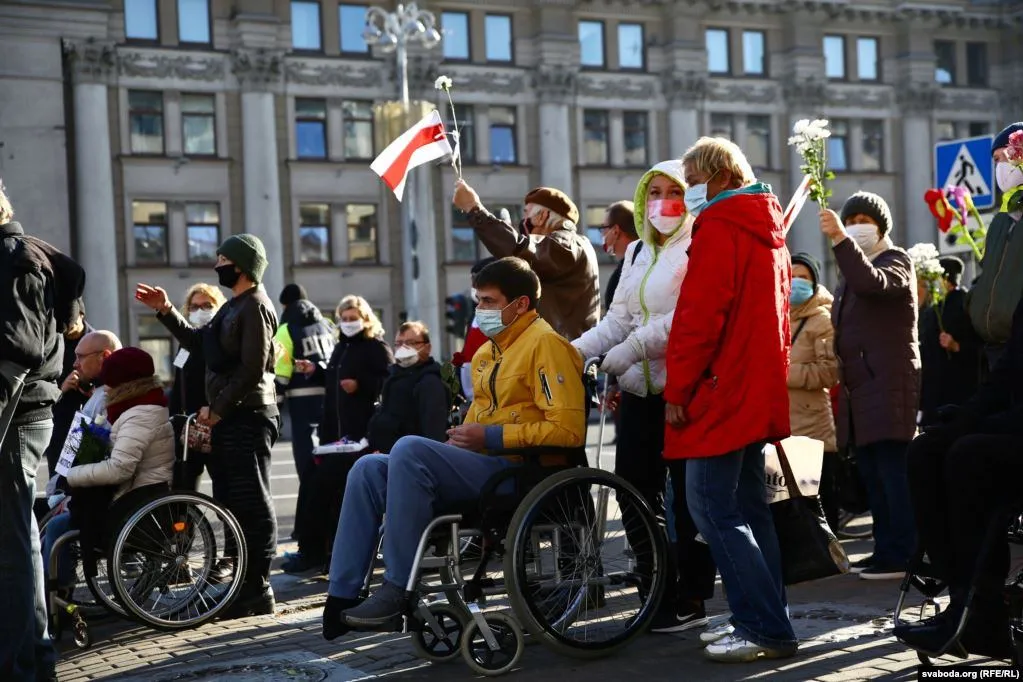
{"x":485,"y":660}
{"x":83,"y":640}
{"x":440,"y":648}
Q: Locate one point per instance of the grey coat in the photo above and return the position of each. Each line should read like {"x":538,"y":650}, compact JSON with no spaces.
{"x":875,"y":316}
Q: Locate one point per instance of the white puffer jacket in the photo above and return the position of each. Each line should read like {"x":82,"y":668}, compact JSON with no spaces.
{"x":644,"y":303}
{"x":142,"y":453}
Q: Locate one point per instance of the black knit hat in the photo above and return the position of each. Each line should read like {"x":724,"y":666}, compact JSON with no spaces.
{"x":1002,"y":138}
{"x":292,"y":293}
{"x":245,"y":251}
{"x":811,"y":264}
{"x":953,"y":268}
{"x":870,"y":205}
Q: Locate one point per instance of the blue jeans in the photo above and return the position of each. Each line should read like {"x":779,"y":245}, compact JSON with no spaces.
{"x":727,"y":500}
{"x":58,"y":525}
{"x":406,"y":485}
{"x":26,"y":653}
{"x":885,"y":473}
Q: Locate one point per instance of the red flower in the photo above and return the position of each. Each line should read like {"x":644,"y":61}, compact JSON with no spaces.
{"x":1014,"y":151}
{"x":942,"y":210}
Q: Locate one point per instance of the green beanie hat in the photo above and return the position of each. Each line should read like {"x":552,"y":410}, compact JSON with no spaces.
{"x":247,"y":252}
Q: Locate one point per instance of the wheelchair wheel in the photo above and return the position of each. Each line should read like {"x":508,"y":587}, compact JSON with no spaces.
{"x":585,"y":563}
{"x":162,"y":562}
{"x":481,"y":657}
{"x":429,"y":646}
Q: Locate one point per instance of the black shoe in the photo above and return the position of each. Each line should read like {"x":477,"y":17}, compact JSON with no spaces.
{"x":862,"y":564}
{"x":931,"y":638}
{"x":222,"y":572}
{"x":670,"y":618}
{"x":386,"y":606}
{"x":333,"y":616}
{"x":300,"y":563}
{"x":259,"y":605}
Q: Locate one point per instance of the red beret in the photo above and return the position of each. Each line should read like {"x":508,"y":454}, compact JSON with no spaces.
{"x":554,"y":200}
{"x":127,"y":364}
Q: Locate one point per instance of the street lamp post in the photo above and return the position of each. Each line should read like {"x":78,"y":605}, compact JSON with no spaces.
{"x":394,"y":32}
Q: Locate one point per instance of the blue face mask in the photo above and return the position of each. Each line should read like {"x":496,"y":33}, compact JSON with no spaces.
{"x":802,"y":291}
{"x":490,"y":322}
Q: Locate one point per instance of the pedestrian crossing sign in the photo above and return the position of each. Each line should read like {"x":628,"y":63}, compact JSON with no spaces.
{"x":967,"y":163}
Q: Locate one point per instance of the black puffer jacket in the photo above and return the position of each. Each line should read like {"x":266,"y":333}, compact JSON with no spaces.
{"x":414,"y":402}
{"x":997,"y":407}
{"x":368,"y":361}
{"x":947,"y":378}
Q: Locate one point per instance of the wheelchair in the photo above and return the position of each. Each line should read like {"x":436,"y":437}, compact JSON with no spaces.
{"x":920,"y":577}
{"x":577,"y":551}
{"x":170,"y":560}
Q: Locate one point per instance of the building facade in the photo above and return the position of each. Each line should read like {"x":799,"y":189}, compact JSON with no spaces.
{"x":136,"y":134}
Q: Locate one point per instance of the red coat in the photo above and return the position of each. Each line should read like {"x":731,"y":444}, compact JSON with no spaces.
{"x":728,"y":352}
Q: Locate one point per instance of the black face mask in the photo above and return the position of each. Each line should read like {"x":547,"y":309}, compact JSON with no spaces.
{"x":227,"y":275}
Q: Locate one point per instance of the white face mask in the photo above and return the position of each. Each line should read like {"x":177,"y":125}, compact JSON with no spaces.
{"x":201,"y":318}
{"x":665,"y":215}
{"x":406,"y":357}
{"x":1008,"y":175}
{"x":351,"y":329}
{"x":696,"y":198}
{"x":864,"y":235}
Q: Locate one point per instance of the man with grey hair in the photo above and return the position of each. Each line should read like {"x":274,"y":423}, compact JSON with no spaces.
{"x":563,"y":259}
{"x":35,"y":310}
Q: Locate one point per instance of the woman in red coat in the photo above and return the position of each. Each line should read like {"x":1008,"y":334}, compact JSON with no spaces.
{"x":727,"y":394}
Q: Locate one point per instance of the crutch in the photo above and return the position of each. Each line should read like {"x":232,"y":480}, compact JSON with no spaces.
{"x":593,"y":364}
{"x":14,"y":375}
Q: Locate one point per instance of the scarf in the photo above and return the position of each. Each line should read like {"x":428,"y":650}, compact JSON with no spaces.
{"x":145,"y":391}
{"x":885,"y":243}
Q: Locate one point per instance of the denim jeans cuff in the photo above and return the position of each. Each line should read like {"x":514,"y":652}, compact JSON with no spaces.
{"x":759,"y":640}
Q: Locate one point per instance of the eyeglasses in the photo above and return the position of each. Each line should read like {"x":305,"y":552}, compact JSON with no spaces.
{"x":605,"y":228}
{"x":82,"y":356}
{"x":409,"y":344}
{"x":200,"y":306}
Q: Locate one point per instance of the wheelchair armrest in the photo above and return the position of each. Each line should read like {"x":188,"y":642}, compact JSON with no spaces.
{"x":532,"y":455}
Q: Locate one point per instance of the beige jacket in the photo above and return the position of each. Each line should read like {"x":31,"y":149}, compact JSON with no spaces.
{"x":142,"y":453}
{"x":813,"y":370}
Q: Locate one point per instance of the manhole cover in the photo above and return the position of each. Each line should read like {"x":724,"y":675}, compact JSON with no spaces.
{"x":256,"y":672}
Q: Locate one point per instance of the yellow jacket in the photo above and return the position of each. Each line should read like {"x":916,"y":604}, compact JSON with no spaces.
{"x":528,"y":388}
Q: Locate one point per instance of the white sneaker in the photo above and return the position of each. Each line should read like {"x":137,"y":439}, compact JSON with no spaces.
{"x":711,"y":635}
{"x":734,"y":649}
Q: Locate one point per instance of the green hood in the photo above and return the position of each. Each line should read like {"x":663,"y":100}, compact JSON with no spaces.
{"x":672,"y":170}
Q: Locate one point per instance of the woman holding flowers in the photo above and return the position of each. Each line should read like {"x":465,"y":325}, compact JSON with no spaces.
{"x":875,"y":316}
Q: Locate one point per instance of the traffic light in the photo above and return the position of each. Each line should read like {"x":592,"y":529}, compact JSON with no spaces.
{"x":457,"y":314}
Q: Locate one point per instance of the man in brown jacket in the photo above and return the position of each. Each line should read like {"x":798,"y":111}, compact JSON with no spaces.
{"x":563,"y":259}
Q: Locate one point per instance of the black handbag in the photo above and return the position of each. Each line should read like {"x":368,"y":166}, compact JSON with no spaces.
{"x":809,"y":549}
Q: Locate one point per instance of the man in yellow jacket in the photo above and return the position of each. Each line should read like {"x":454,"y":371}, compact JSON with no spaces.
{"x":528,"y":394}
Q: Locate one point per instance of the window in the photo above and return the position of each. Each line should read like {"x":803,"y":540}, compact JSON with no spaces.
{"x":945,"y":53}
{"x":194,"y":21}
{"x":455,"y":28}
{"x":502,"y":135}
{"x":753,"y":53}
{"x":838,"y":146}
{"x":594,"y":220}
{"x":834,"y":57}
{"x":358,"y":120}
{"x":158,"y":346}
{"x":873,"y":145}
{"x":717,"y":51}
{"x":314,"y":234}
{"x":145,"y":114}
{"x":591,"y":44}
{"x":464,"y":247}
{"x":758,"y":141}
{"x":722,"y":125}
{"x":140,"y":22}
{"x":866,"y":59}
{"x":305,"y":25}
{"x":198,"y":125}
{"x":631,"y":52}
{"x":498,"y":31}
{"x":596,"y":131}
{"x":466,"y":130}
{"x":978,"y":128}
{"x":352,"y":19}
{"x":362,"y":233}
{"x":946,"y":130}
{"x":149,"y":230}
{"x":976,"y":64}
{"x":311,"y":128}
{"x":203,"y":221}
{"x":635,"y":126}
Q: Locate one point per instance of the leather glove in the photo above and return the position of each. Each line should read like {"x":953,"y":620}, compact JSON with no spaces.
{"x":620,"y":358}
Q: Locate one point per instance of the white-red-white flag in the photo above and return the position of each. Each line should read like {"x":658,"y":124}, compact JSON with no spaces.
{"x":424,"y":142}
{"x":796,"y":203}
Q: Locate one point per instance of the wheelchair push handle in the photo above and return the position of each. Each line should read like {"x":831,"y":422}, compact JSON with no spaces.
{"x":189,"y":420}
{"x":592,"y":364}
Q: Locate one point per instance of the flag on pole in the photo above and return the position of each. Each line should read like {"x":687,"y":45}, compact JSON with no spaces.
{"x":796,"y":203}
{"x":424,"y":142}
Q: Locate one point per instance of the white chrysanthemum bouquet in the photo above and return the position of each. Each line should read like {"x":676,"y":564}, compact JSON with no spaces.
{"x":810,"y":138}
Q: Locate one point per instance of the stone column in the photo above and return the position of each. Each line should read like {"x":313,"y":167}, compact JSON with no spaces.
{"x":805,"y":99}
{"x":685,"y":93}
{"x":555,"y":88}
{"x":92,"y":65}
{"x":915,"y":224}
{"x":259,"y":74}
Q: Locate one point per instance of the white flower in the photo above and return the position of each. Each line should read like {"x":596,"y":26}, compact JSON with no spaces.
{"x":924,"y":251}
{"x":819,"y":123}
{"x":442,"y":83}
{"x":801,"y":126}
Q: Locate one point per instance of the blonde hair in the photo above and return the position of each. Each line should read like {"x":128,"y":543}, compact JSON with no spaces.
{"x":712,"y":154}
{"x":373,"y":327}
{"x":6,"y":210}
{"x":208,"y":290}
